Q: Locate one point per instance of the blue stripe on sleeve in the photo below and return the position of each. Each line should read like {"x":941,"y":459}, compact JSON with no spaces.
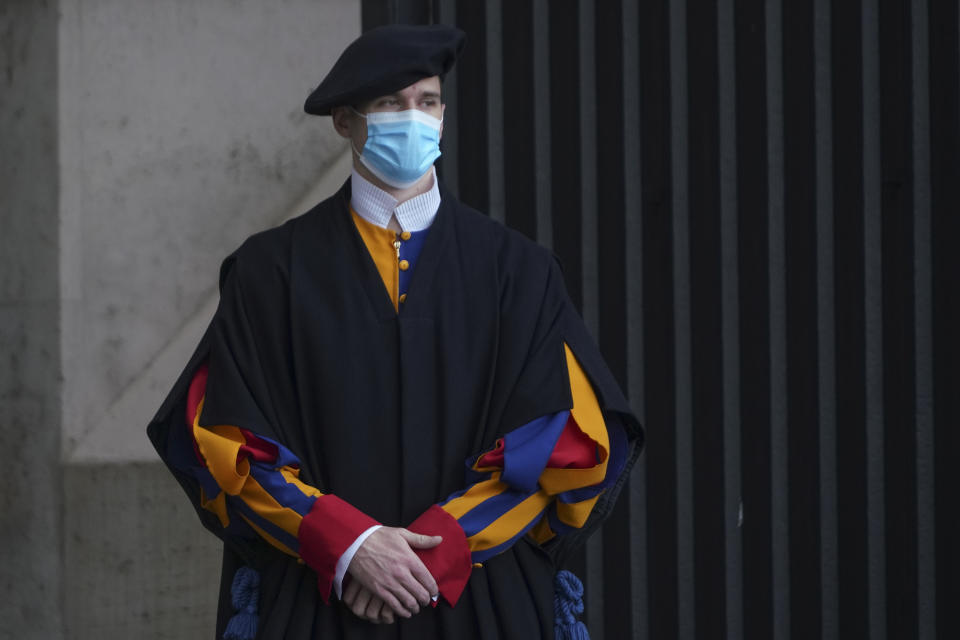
{"x":282,"y":491}
{"x":285,"y":457}
{"x":527,"y":449}
{"x":276,"y":532}
{"x":484,"y":555}
{"x":206,"y":481}
{"x":581,"y":494}
{"x":482,"y":515}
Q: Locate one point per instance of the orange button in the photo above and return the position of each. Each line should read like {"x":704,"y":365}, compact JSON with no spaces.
{"x":403,"y":297}
{"x":405,"y":236}
{"x":404,"y":265}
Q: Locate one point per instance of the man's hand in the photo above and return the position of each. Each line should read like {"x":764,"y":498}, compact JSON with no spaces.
{"x":388,"y":576}
{"x":365,"y":605}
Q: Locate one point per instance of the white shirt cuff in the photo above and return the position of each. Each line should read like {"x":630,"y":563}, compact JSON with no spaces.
{"x":347,"y":556}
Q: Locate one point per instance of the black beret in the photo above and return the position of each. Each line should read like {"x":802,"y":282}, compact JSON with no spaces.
{"x":384,"y":60}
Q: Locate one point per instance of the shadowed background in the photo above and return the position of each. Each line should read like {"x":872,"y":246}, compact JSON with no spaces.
{"x":756,"y":205}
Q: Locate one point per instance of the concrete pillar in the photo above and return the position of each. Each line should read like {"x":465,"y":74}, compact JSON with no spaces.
{"x":141,"y":142}
{"x":30,"y":374}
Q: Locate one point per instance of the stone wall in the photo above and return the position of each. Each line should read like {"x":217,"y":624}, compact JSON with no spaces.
{"x":30,"y":371}
{"x":142,"y":142}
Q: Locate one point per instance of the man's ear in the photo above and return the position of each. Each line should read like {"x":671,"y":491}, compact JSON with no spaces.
{"x":342,"y":120}
{"x":443,"y":109}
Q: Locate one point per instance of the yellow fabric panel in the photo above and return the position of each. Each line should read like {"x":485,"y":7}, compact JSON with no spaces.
{"x":510,"y":523}
{"x":293,"y":477}
{"x":555,"y":481}
{"x":575,"y":514}
{"x":481,"y":491}
{"x":266,"y":536}
{"x":219,"y":446}
{"x":589,"y":418}
{"x":217,"y":506}
{"x":586,"y":409}
{"x":541,"y":532}
{"x":379,"y":243}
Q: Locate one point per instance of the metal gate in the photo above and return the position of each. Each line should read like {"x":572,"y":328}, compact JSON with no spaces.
{"x":756,"y":205}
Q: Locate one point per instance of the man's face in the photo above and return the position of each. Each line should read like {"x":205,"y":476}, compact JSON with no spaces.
{"x":423,"y":95}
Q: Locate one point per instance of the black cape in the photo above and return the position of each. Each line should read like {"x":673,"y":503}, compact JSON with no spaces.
{"x":383,"y":408}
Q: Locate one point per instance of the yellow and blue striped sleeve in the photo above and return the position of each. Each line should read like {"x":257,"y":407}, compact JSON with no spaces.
{"x":541,"y":479}
{"x":252,"y":484}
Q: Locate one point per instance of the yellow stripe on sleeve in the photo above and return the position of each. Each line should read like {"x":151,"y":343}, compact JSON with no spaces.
{"x":217,"y":506}
{"x":481,"y":491}
{"x":575,"y":514}
{"x":541,"y":532}
{"x":266,"y":536}
{"x":219,"y":446}
{"x":586,"y":410}
{"x":509,"y":524}
{"x":267,"y":507}
{"x":292,"y":476}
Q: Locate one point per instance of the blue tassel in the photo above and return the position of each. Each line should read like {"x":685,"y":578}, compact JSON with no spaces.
{"x":245,"y":593}
{"x":567,"y":605}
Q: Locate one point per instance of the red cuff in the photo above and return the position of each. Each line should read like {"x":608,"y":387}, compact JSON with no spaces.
{"x":449,"y":562}
{"x":325,"y":533}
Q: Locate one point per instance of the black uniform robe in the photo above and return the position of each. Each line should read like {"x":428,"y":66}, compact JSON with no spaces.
{"x":382,"y":408}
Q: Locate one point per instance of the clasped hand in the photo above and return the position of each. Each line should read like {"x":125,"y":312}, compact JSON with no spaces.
{"x":387,"y":577}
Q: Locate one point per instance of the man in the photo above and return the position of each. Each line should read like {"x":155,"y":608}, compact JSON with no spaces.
{"x":360,"y":354}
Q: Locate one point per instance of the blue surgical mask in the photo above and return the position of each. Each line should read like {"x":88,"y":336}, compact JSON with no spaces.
{"x":401,"y":146}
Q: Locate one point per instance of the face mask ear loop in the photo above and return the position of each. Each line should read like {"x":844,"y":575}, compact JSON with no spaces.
{"x":362,"y":115}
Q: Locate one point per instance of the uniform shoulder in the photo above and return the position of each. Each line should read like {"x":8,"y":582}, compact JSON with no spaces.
{"x":262,"y":248}
{"x":270,"y":249}
{"x":510,"y":245}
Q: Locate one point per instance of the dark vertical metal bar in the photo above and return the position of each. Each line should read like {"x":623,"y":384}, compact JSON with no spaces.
{"x":801,"y":317}
{"x":923,"y":326}
{"x":588,"y":167}
{"x":873,"y":325}
{"x":826,"y":355}
{"x":752,"y":231}
{"x":519,"y":145}
{"x":681,"y":310}
{"x":898,"y":404}
{"x":374,"y":13}
{"x":779,"y":489}
{"x":633,"y":238}
{"x":846,"y":27}
{"x":564,"y":60}
{"x":541,"y":123}
{"x":611,"y":231}
{"x":472,"y":107}
{"x":494,"y":43}
{"x":656,"y":116}
{"x":588,"y":221}
{"x":446,"y":13}
{"x":944,"y":92}
{"x":706,"y":320}
{"x":730,"y":332}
